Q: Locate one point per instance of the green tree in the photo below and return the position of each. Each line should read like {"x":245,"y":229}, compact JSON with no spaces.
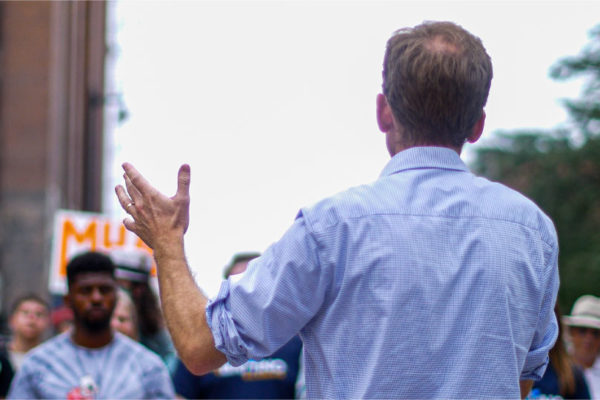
{"x":585,"y":111}
{"x":560,"y":171}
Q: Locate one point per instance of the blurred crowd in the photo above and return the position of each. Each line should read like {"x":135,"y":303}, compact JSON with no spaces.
{"x":110,"y":327}
{"x":132,"y":310}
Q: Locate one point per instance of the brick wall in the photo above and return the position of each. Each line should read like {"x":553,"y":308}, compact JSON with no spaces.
{"x":51,"y":76}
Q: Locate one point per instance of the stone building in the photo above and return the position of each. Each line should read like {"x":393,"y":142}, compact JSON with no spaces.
{"x":52,"y":56}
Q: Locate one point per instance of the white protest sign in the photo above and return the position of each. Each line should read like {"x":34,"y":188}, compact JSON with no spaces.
{"x":78,"y":231}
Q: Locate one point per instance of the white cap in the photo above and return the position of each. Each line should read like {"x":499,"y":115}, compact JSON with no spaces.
{"x":132,"y":265}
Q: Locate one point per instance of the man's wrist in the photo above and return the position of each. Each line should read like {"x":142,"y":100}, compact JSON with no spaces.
{"x":169,"y":248}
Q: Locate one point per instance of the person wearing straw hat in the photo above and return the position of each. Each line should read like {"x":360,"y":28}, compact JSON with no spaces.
{"x":584,"y":330}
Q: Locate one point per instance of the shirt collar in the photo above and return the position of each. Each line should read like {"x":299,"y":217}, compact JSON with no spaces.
{"x":424,"y":157}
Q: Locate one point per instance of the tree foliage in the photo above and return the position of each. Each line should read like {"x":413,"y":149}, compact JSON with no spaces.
{"x":585,"y":111}
{"x":560,"y":171}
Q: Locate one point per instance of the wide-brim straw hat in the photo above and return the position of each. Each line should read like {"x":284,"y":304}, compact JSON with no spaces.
{"x":585,"y":313}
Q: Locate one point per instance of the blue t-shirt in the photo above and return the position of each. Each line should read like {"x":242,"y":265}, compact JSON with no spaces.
{"x":60,"y":369}
{"x":270,"y":378}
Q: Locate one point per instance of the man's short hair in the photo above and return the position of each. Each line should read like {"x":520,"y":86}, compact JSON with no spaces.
{"x":436,"y":79}
{"x":28,"y":297}
{"x":90,"y":261}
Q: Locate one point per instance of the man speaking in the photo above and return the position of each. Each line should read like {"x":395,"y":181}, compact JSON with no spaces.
{"x":428,"y":283}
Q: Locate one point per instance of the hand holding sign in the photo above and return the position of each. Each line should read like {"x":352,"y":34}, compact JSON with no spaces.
{"x":157,"y":219}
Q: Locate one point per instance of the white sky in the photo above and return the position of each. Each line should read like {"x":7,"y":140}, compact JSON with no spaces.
{"x":273,"y":103}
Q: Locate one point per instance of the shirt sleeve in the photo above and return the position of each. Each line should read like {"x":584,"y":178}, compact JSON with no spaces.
{"x":547,"y":327}
{"x":254,"y":315}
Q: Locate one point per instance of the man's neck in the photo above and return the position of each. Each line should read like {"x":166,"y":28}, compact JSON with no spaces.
{"x":93,"y":340}
{"x":22,"y":345}
{"x":398,"y":146}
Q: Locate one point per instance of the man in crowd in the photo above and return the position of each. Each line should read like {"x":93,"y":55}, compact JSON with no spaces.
{"x":91,"y":360}
{"x":29,"y":321}
{"x":273,"y":377}
{"x":584,"y":331}
{"x":6,"y":370}
{"x":6,"y":374}
{"x":428,"y":283}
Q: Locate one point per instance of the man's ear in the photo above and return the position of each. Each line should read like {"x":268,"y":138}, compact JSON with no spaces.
{"x":477,"y":129}
{"x":385,"y":118}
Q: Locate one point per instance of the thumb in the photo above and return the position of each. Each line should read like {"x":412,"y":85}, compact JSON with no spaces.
{"x":183,"y":180}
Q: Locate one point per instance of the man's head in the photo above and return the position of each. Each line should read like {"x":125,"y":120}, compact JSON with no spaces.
{"x":91,"y":291}
{"x":133,"y":275}
{"x":132,"y":266}
{"x":436,"y":80}
{"x":239,"y":263}
{"x":584,"y":329}
{"x":133,"y":272}
{"x":29,"y":318}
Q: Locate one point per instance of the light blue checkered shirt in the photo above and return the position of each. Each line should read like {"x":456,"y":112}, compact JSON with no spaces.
{"x":428,"y":283}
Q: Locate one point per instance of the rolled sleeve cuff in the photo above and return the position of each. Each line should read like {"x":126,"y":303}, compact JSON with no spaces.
{"x":536,"y":374}
{"x":537,"y":359}
{"x":224,"y":332}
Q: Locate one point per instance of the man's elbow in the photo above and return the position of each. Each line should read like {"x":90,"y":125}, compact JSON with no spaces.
{"x":197,"y":367}
{"x":200,"y":361}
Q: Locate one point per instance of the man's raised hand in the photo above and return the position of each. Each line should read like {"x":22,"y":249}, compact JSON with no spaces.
{"x":155,"y":218}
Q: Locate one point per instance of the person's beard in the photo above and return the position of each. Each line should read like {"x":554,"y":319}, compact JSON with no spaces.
{"x":93,"y":324}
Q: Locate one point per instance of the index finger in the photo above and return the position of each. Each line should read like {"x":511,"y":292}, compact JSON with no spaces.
{"x":137,"y":180}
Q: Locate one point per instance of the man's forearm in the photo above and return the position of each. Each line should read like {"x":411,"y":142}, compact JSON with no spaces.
{"x":525,"y":387}
{"x":184,"y":307}
{"x":161,"y":222}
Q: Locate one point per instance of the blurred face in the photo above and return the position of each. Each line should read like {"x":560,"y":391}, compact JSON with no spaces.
{"x":30,"y":320}
{"x":586,"y":345}
{"x":92,"y":297}
{"x":122,"y":320}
